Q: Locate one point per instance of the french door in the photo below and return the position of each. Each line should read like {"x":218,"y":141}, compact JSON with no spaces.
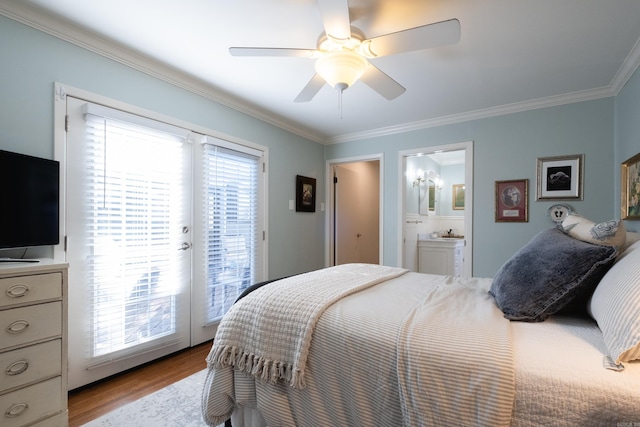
{"x":128,"y":220}
{"x":147,"y":201}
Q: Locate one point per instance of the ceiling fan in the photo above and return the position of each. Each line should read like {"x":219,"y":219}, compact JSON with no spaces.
{"x":343,"y":53}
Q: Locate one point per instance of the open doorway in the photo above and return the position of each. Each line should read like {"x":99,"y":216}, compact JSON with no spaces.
{"x":354,"y":211}
{"x":435,"y":198}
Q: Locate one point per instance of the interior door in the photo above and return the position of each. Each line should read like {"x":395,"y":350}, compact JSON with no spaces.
{"x":357,"y":212}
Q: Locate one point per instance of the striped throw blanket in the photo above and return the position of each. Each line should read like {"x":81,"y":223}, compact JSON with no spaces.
{"x":268,"y":333}
{"x":455,"y":359}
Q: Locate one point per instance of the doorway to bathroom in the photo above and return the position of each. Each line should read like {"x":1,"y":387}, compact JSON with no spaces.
{"x":435,"y":199}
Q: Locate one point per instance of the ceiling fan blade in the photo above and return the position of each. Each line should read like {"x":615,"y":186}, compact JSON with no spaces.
{"x":418,"y":38}
{"x":271,"y":51}
{"x":335,"y":18}
{"x":382,"y":83}
{"x":310,"y":90}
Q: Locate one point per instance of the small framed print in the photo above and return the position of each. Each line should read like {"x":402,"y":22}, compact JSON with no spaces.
{"x":457,"y":197}
{"x":630,"y":188}
{"x":305,"y":194}
{"x":560,"y":177}
{"x":512,"y":200}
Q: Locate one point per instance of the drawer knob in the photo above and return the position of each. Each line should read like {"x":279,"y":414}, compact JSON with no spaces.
{"x":17,"y":367}
{"x":17,"y":327}
{"x":18,"y":290}
{"x":16,"y":410}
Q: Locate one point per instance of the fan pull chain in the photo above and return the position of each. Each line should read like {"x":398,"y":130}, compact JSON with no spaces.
{"x":341,"y":87}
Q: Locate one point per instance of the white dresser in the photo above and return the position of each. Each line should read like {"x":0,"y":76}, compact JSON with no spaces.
{"x":441,"y":256}
{"x":33,"y":344}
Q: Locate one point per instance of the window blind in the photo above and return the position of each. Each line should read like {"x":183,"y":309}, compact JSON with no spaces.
{"x":134,"y":200}
{"x":229,"y":219}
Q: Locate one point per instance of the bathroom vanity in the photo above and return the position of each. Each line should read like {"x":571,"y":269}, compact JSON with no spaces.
{"x":443,"y":255}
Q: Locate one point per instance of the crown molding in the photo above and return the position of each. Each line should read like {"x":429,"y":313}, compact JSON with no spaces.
{"x":65,"y":30}
{"x":629,"y":66}
{"x":484,"y":113}
{"x":626,"y":70}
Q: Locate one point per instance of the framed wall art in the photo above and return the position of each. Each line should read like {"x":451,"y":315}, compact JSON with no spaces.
{"x":512,"y":200}
{"x":458,"y":197}
{"x":305,"y":194}
{"x":630,"y":188}
{"x":560,"y":177}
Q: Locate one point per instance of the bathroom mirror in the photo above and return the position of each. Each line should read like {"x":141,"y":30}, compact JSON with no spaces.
{"x":428,"y":193}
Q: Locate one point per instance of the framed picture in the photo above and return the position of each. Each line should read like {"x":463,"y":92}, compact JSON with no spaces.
{"x":457,"y":198}
{"x":512,"y":200}
{"x":560,"y":177}
{"x":630,"y":186}
{"x":305,"y":194}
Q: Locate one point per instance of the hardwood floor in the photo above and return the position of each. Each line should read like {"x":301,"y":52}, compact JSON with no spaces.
{"x":92,"y":401}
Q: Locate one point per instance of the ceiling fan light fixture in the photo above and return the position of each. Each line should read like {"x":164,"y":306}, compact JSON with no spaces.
{"x":341,"y":69}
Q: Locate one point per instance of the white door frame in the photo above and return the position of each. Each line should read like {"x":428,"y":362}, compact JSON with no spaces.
{"x":468,"y":197}
{"x":329,"y":203}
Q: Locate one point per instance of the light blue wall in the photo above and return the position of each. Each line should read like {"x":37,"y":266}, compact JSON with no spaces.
{"x":507,"y":147}
{"x":627,"y":140}
{"x":30,"y":63}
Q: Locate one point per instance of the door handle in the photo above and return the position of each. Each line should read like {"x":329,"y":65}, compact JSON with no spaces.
{"x":184,"y":246}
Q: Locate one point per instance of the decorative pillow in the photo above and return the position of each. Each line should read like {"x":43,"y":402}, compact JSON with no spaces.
{"x":547,"y":273}
{"x":615,"y":305}
{"x":609,"y":233}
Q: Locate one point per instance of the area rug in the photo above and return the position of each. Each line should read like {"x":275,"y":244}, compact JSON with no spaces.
{"x":177,"y":405}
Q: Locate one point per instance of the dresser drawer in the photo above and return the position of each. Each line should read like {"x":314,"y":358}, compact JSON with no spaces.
{"x":30,"y":364}
{"x":33,"y":323}
{"x":31,"y":404}
{"x":27,"y":289}
{"x":60,"y":420}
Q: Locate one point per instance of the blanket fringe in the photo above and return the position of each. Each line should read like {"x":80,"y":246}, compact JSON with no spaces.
{"x":267,"y":371}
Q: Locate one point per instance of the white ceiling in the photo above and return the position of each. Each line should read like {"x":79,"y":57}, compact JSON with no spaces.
{"x":513,"y":55}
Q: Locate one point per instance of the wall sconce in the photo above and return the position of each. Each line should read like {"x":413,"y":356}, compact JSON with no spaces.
{"x":419,"y":181}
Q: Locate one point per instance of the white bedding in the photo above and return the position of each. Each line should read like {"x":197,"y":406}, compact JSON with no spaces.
{"x":559,"y":377}
{"x":561,"y":380}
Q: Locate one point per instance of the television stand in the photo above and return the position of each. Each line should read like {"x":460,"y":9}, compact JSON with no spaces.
{"x":18,"y":260}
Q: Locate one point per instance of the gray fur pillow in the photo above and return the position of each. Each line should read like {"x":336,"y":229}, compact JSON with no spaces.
{"x":547,"y":274}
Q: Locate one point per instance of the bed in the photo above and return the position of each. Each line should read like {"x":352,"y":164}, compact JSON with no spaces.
{"x":365,"y":345}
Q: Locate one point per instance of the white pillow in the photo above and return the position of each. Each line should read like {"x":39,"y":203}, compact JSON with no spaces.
{"x":615,"y":305}
{"x":608,"y":233}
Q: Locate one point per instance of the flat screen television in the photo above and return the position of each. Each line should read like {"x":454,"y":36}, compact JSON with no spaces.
{"x":29,"y":201}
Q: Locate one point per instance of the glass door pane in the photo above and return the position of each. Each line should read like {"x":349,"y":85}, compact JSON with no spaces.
{"x":128,"y":223}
